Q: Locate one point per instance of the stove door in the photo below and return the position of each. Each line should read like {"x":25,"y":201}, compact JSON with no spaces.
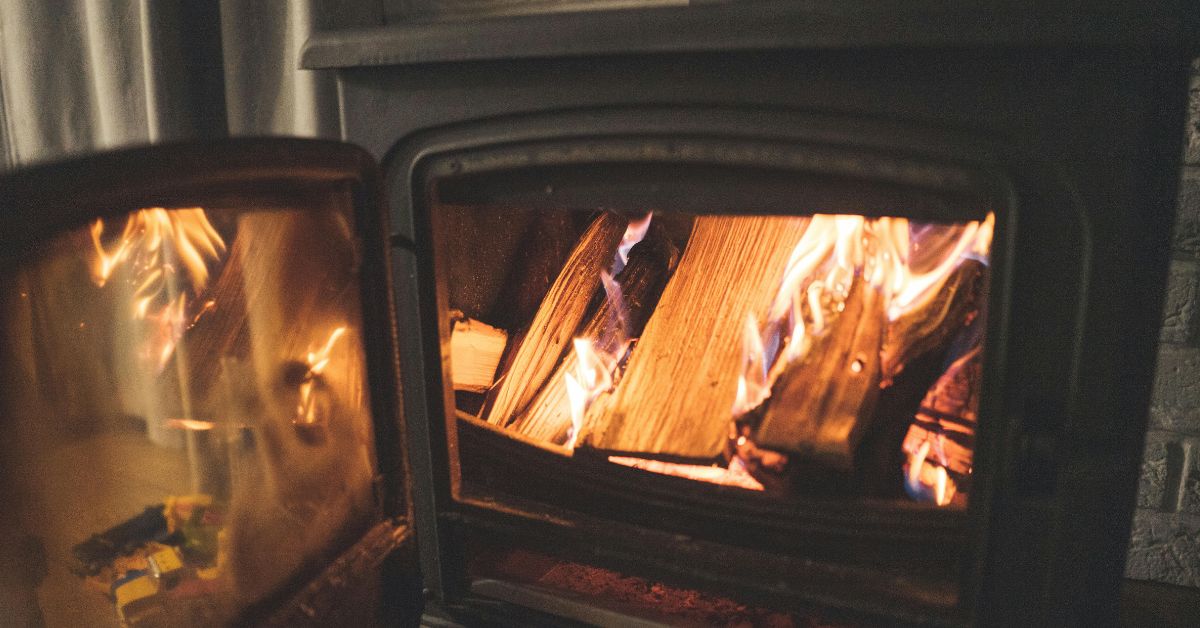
{"x":200,"y":404}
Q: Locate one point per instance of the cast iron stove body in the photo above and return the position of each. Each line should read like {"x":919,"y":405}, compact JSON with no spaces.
{"x":1065,"y":128}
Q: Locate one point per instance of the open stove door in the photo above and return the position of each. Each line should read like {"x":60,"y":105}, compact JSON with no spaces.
{"x":201,"y":409}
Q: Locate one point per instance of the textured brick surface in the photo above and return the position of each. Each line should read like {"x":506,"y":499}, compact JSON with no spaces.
{"x":1179,"y":311}
{"x":1165,"y":544}
{"x":1187,"y":216}
{"x":1177,"y":381}
{"x":1192,"y":152}
{"x":1153,"y":481}
{"x":1174,"y":421}
{"x":1190,"y":500}
{"x":1165,"y":547}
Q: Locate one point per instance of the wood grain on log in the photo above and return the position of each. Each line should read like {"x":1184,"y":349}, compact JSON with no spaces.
{"x":650,"y":265}
{"x":481,"y":246}
{"x":557,"y":319}
{"x":675,"y":397}
{"x":823,"y":403}
{"x":475,"y":349}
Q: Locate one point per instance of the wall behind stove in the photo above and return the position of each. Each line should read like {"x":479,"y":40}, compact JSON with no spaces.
{"x":1165,"y":545}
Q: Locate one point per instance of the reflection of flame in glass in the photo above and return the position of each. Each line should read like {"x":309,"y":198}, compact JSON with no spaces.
{"x":154,"y":244}
{"x":194,"y":425}
{"x":906,"y":267}
{"x":306,"y":408}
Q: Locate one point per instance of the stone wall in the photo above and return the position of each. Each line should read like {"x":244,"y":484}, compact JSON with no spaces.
{"x":1165,"y":545}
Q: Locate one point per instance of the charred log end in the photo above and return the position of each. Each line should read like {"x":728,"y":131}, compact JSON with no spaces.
{"x":823,"y":404}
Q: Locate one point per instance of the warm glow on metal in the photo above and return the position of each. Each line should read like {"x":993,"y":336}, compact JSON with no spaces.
{"x":193,"y":425}
{"x":733,"y":475}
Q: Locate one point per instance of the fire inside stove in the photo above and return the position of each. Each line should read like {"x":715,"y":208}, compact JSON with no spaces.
{"x":760,"y":352}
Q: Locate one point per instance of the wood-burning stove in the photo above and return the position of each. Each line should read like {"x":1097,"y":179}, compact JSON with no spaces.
{"x":1065,"y":128}
{"x":1055,"y":138}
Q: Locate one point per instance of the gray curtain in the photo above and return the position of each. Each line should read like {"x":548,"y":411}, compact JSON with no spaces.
{"x":77,"y":76}
{"x":266,"y":92}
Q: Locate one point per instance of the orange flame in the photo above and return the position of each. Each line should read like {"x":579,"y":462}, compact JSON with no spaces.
{"x":834,"y":252}
{"x":907,"y":264}
{"x":598,"y":359}
{"x":752,"y":388}
{"x":153,"y":243}
{"x":593,"y":375}
{"x":927,"y":480}
{"x":189,"y":234}
{"x":633,"y":234}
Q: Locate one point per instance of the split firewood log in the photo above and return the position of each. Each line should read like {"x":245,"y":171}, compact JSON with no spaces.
{"x":675,"y":397}
{"x":479,"y":247}
{"x":822,"y":403}
{"x":822,"y":407}
{"x":650,"y":265}
{"x":557,"y":319}
{"x":475,"y":349}
{"x":949,"y":414}
{"x":927,"y":328}
{"x":545,"y":249}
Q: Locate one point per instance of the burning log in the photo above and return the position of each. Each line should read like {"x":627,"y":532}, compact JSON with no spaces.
{"x":948,"y":416}
{"x":557,"y":319}
{"x":674,"y":399}
{"x":822,"y":404}
{"x":846,"y":302}
{"x":927,"y":328}
{"x":646,"y":273}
